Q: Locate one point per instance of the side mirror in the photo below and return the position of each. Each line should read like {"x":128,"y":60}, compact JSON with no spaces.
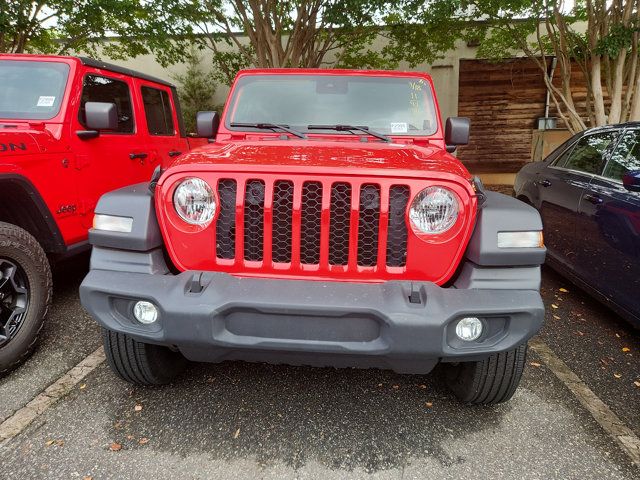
{"x":456,"y":132}
{"x":101,"y":116}
{"x":631,"y":181}
{"x":207,"y":124}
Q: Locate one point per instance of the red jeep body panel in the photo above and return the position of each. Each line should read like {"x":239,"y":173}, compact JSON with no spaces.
{"x":70,"y":174}
{"x":326,"y":159}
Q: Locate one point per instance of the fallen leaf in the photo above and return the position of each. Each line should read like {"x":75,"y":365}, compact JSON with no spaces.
{"x":637,"y":383}
{"x":556,"y":317}
{"x":83,"y":386}
{"x":49,"y":443}
{"x":580,"y":333}
{"x":422,"y":386}
{"x":617,"y":375}
{"x":237,"y":434}
{"x":138,"y":408}
{"x":429,"y":404}
{"x":626,"y":349}
{"x":143,"y":441}
{"x":396,"y":387}
{"x":553,"y":305}
{"x":535,"y":364}
{"x":129,"y":437}
{"x":563,"y":290}
{"x":115,"y":447}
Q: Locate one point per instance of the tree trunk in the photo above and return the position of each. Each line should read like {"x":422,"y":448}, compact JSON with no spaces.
{"x":596,"y":91}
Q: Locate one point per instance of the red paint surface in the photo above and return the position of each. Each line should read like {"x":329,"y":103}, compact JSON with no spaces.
{"x":67,"y":171}
{"x":418,"y":162}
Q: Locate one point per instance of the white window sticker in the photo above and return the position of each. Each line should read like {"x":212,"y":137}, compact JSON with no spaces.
{"x":399,"y":127}
{"x":46,"y":101}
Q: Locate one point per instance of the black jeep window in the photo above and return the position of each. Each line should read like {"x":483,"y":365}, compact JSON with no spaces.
{"x":104,"y":89}
{"x":589,"y":153}
{"x":625,"y":158}
{"x":157,"y":108}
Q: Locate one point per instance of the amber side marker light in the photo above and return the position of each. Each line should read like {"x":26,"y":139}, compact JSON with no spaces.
{"x":520,"y":239}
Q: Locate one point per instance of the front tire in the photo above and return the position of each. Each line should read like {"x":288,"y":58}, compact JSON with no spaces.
{"x":489,"y":381}
{"x":25,"y":294}
{"x":141,"y":363}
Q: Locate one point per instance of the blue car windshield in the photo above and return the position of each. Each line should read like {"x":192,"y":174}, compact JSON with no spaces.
{"x":386,"y":104}
{"x":31,"y":90}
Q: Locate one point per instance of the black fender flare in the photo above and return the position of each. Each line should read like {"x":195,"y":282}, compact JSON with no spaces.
{"x":42,"y":224}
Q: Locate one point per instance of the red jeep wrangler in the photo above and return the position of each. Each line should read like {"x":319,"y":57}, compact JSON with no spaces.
{"x":327,"y":225}
{"x":71,"y":129}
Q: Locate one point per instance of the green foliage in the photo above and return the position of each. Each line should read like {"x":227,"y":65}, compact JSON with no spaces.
{"x":65,"y":26}
{"x":196,"y":89}
{"x":619,"y":38}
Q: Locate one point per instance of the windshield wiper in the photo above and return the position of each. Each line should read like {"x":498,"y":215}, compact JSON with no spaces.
{"x":270,"y":126}
{"x":350,"y":128}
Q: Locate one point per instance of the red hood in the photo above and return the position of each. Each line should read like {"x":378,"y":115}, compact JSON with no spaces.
{"x":277,"y":156}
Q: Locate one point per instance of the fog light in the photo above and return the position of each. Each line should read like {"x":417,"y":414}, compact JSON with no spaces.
{"x":145,"y":312}
{"x":469,"y":329}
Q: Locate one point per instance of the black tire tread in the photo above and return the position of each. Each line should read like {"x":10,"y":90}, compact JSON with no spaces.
{"x":15,"y":237}
{"x":141,"y":363}
{"x":489,"y":381}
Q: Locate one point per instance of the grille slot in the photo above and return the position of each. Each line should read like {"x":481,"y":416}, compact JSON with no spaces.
{"x":254,"y":220}
{"x":310,"y":223}
{"x":368,"y":225}
{"x":397,"y":229}
{"x":282,"y":221}
{"x":226,"y":224}
{"x":340,"y":224}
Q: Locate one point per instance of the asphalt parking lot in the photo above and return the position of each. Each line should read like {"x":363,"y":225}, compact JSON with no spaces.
{"x":237,"y":420}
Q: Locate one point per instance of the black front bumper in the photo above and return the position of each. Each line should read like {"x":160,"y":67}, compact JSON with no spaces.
{"x":311,"y":322}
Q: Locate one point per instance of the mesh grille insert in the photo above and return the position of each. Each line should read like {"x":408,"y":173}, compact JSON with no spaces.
{"x":397,"y":231}
{"x":310,"y":223}
{"x":254,"y":220}
{"x":226,"y":224}
{"x":368,"y":225}
{"x":282,"y":221}
{"x":340,"y":224}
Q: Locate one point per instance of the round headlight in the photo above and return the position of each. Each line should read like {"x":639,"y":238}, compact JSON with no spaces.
{"x":194,"y":201}
{"x":434,"y":210}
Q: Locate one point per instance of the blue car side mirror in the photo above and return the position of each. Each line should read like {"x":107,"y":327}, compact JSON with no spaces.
{"x":631,"y":181}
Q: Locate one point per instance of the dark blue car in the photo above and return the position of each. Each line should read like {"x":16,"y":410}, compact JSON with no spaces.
{"x":588,"y":194}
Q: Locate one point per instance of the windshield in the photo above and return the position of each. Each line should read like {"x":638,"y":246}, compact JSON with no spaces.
{"x":31,"y":90}
{"x":389,"y":105}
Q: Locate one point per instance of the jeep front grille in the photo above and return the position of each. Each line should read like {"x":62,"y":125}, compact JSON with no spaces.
{"x":366,"y":223}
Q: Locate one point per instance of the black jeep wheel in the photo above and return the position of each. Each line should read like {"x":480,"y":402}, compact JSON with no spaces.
{"x":489,"y":381}
{"x":141,"y":363}
{"x":25,"y":294}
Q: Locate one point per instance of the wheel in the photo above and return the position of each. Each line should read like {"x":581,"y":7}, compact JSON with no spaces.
{"x":25,"y":294}
{"x":141,"y":363}
{"x":489,"y":381}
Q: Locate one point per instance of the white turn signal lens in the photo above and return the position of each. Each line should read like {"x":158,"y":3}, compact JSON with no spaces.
{"x":145,"y":312}
{"x":520,"y":240}
{"x":434,"y":210}
{"x":112,"y":223}
{"x":469,"y":329}
{"x":194,"y":201}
